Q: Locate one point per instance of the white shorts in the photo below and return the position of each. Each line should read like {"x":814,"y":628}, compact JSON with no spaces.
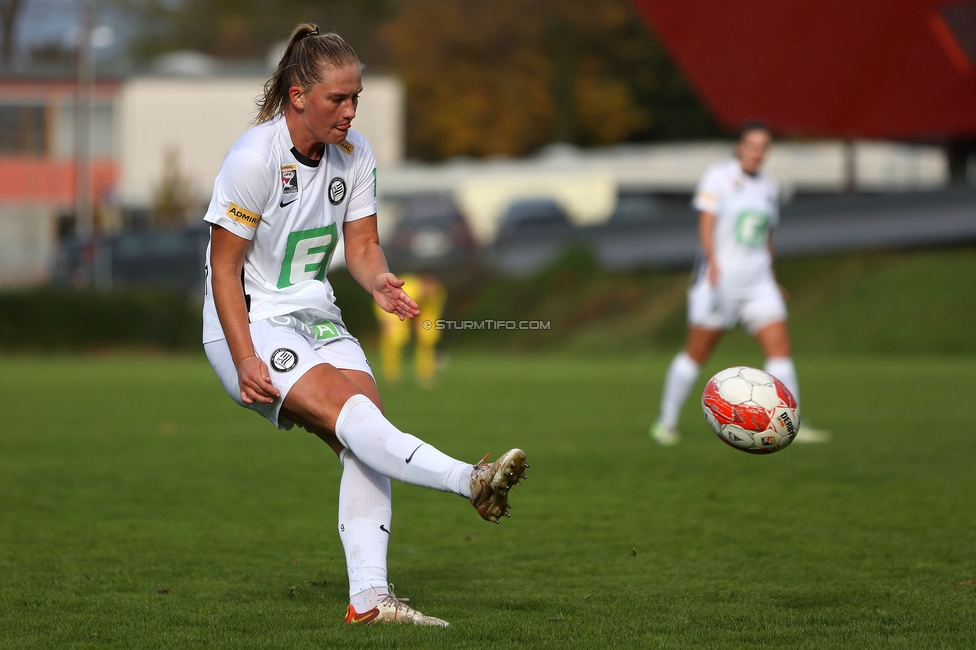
{"x":756,"y":307}
{"x":288,"y":355}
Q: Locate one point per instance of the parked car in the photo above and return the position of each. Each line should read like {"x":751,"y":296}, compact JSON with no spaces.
{"x":533,"y":219}
{"x":432,"y":234}
{"x":135,"y":259}
{"x":636,"y":208}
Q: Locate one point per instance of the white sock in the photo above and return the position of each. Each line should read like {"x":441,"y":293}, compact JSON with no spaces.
{"x":365,"y":513}
{"x":783,"y":369}
{"x":681,"y":376}
{"x":362,"y":429}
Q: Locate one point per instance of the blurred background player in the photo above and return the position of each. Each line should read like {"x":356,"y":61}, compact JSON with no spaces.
{"x":430,"y":296}
{"x":733,"y":281}
{"x":272,"y":331}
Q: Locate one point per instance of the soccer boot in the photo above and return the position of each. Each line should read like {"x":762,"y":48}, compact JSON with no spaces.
{"x":392,"y":610}
{"x":663,"y":435}
{"x":490,"y":484}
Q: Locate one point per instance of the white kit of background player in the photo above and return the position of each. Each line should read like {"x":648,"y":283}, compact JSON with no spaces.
{"x":738,"y":206}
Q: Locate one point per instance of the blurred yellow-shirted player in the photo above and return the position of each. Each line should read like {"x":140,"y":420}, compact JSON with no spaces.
{"x":430,"y":296}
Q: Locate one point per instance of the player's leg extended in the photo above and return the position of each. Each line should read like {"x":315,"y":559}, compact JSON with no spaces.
{"x":326,"y":401}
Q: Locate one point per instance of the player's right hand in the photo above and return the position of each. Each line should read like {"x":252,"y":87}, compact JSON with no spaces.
{"x":255,"y":381}
{"x":713,"y":274}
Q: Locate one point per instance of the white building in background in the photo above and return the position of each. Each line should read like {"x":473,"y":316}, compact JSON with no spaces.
{"x":198,"y":118}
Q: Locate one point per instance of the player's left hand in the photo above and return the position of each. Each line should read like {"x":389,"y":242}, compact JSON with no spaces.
{"x":783,"y":292}
{"x":392,"y":298}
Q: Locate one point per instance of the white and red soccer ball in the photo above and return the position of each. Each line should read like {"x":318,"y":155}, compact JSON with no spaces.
{"x":751,"y":410}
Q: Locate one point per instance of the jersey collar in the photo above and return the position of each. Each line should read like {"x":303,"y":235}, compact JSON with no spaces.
{"x":299,"y":156}
{"x":305,"y":160}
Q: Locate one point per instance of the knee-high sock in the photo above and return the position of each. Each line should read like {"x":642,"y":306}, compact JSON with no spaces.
{"x":363,"y":429}
{"x":681,"y":376}
{"x":365,"y":513}
{"x":783,"y":369}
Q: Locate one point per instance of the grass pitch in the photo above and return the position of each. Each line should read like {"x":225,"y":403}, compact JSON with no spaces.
{"x":140,"y":508}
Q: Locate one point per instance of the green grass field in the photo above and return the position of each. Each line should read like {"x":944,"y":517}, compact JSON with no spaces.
{"x":139,"y":508}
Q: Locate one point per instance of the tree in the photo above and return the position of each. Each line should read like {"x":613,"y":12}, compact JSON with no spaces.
{"x":482,"y":78}
{"x":174,"y":196}
{"x":509,"y":76}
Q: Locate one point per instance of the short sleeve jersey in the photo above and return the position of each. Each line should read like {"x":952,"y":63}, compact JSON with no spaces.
{"x":746,"y":208}
{"x":292,"y":209}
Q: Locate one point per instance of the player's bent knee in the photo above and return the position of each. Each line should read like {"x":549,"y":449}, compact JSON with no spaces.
{"x":319,"y":395}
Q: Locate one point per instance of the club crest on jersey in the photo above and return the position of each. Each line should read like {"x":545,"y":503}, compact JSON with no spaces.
{"x":346,"y":146}
{"x":289,"y":179}
{"x":283,"y":359}
{"x":337,"y":190}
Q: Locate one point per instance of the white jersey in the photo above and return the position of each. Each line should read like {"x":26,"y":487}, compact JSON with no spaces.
{"x":746,"y":208}
{"x":292,"y":208}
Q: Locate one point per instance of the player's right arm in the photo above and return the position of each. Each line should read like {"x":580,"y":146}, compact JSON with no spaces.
{"x":242,"y":192}
{"x":706,"y":237}
{"x":706,"y":201}
{"x":227,"y":262}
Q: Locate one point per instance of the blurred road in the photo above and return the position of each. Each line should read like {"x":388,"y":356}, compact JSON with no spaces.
{"x":807,"y":227}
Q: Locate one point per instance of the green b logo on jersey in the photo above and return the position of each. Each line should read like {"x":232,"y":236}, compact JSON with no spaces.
{"x":751,"y":227}
{"x":307,"y":255}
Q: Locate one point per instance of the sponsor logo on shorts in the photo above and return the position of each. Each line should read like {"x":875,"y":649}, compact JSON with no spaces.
{"x":337,"y":190}
{"x":242,"y":216}
{"x":283,"y":359}
{"x":347,"y":146}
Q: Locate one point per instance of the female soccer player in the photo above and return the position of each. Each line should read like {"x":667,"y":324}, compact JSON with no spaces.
{"x":738,"y":207}
{"x":286,"y":192}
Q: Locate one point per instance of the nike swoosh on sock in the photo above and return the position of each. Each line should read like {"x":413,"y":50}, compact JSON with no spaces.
{"x":410,"y":457}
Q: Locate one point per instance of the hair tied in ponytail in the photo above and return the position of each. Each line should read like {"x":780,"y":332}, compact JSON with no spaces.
{"x":301,"y":64}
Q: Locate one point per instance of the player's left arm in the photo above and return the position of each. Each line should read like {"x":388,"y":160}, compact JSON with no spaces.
{"x":772,"y":263}
{"x":774,"y":199}
{"x":367,"y":264}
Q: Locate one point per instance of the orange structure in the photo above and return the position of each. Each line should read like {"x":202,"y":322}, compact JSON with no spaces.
{"x":901,"y":69}
{"x":37,"y":165}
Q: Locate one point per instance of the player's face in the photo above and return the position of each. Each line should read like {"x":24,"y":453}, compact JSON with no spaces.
{"x":330,"y":105}
{"x":751,"y":150}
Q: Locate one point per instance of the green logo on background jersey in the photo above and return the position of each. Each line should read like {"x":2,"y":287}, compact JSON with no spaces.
{"x":307,"y":255}
{"x":751,"y":228}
